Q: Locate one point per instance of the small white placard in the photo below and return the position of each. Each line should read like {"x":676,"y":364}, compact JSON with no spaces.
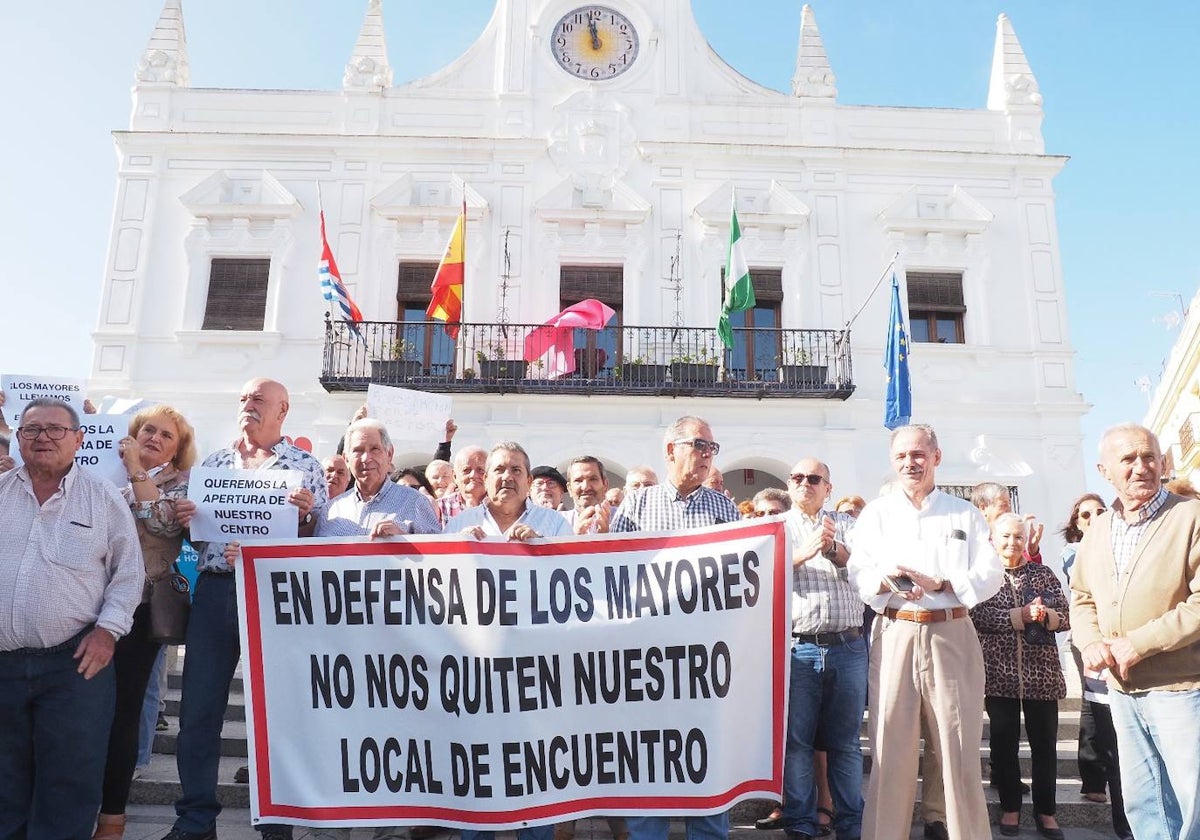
{"x":416,"y":417}
{"x":243,"y":505}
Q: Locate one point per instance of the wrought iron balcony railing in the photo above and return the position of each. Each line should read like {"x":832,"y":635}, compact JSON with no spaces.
{"x":526,"y":358}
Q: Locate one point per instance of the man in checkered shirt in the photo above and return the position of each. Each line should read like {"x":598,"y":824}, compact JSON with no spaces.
{"x":679,"y":504}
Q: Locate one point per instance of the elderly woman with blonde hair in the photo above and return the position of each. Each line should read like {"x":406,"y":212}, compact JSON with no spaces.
{"x":157,"y":455}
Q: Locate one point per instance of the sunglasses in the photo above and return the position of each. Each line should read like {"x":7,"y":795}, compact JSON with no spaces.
{"x":702,"y":446}
{"x":800,"y":478}
{"x":1087,"y":514}
{"x":759,"y":513}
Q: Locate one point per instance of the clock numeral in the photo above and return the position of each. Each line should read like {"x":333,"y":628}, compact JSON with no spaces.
{"x":566,"y":59}
{"x":568,"y":28}
{"x":561,"y":41}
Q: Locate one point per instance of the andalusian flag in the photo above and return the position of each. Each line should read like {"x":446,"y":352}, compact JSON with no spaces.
{"x":739,"y":293}
{"x":446,"y":291}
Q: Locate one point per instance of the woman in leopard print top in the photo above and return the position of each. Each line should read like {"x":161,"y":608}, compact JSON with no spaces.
{"x":1017,"y":628}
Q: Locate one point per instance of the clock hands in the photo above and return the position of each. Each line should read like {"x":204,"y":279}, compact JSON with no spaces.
{"x":595,"y":35}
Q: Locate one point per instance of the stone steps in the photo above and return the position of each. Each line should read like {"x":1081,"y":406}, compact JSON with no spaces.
{"x":159,"y":783}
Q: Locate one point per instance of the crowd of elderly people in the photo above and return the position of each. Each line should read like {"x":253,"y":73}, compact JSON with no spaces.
{"x":926,"y":607}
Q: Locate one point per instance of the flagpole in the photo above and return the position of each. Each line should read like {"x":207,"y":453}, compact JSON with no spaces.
{"x":874,"y":289}
{"x":462,"y":345}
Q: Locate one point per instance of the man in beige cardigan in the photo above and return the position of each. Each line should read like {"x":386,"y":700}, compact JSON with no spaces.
{"x":1135,"y":611}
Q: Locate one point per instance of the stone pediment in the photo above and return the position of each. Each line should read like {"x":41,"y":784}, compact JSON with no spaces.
{"x":568,"y":201}
{"x":410,"y":198}
{"x":772,"y":207}
{"x":925,"y":211}
{"x":250,"y":196}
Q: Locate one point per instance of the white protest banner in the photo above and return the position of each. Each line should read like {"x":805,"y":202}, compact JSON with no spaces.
{"x":21,"y":389}
{"x":494,"y":684}
{"x":99,"y":452}
{"x":410,"y":416}
{"x":243,"y":504}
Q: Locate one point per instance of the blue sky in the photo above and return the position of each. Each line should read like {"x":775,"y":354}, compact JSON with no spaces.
{"x":1119,"y":83}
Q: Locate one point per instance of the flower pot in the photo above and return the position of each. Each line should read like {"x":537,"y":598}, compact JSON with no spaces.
{"x":502,"y":369}
{"x":394,"y":370}
{"x":693,"y":373}
{"x":804,"y":376}
{"x":634,"y":374}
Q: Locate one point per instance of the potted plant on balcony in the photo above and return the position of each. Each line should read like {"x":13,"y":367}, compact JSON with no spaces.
{"x":494,"y":362}
{"x":638,"y":370}
{"x":699,"y":368}
{"x":397,"y":362}
{"x":797,"y":371}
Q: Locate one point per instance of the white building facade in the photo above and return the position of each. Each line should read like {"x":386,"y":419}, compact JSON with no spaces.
{"x":598,"y":150}
{"x":1174,"y":412}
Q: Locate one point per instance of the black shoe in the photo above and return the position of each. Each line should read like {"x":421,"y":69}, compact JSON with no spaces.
{"x":162,"y":725}
{"x":241,"y":776}
{"x":770,"y":823}
{"x":176,"y":834}
{"x":275,"y":832}
{"x":1009,"y":830}
{"x":799,"y":835}
{"x":1048,"y":833}
{"x":936,"y":831}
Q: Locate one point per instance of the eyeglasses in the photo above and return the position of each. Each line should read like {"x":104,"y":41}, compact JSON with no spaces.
{"x":52,"y":432}
{"x":800,"y":478}
{"x":702,"y":446}
{"x":759,"y":513}
{"x":1087,"y":514}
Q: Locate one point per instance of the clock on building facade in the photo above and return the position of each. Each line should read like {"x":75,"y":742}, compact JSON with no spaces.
{"x":594,"y":42}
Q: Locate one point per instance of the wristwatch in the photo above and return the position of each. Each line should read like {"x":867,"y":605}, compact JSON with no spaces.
{"x":138,"y":476}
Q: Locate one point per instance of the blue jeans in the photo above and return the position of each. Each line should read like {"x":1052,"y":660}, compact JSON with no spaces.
{"x":54,"y":729}
{"x":537,"y":832}
{"x":150,"y":708}
{"x":1160,"y":761}
{"x":212,"y":656}
{"x":828,"y":689}
{"x":709,"y":827}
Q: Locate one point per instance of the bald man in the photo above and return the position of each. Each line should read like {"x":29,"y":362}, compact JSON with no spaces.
{"x":212,"y":635}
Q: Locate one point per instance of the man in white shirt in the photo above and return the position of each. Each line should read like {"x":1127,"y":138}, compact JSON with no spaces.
{"x":921,"y":559}
{"x":71,"y":575}
{"x":506,"y":510}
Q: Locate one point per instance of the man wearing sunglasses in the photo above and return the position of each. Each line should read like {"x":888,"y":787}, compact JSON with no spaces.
{"x":829,"y":660}
{"x":71,"y":575}
{"x":679,"y":504}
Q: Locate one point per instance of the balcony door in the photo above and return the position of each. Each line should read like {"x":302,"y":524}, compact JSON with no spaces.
{"x":596,"y":351}
{"x":756,"y":347}
{"x":425,"y":342}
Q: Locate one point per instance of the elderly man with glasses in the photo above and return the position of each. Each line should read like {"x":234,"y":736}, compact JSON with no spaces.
{"x":679,"y":504}
{"x":829,"y":660}
{"x":71,"y":575}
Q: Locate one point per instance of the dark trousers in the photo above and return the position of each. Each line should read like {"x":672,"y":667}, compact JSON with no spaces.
{"x":133,"y":661}
{"x":53,"y":733}
{"x":1106,"y":752}
{"x":1093,"y":771}
{"x":1041,"y":728}
{"x":212,"y":655}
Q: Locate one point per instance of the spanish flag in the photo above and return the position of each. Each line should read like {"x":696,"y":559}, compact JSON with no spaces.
{"x":446,"y":292}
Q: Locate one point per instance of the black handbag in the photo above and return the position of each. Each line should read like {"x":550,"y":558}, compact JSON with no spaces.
{"x":170,"y":607}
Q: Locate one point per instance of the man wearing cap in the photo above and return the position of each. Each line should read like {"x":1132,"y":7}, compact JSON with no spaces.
{"x":547,"y":487}
{"x":921,"y":559}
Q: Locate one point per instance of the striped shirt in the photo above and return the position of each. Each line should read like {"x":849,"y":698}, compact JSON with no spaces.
{"x":284,"y":457}
{"x":823,"y":598}
{"x":662,"y":508}
{"x":349,"y":516}
{"x":66,"y":564}
{"x":1126,"y":536}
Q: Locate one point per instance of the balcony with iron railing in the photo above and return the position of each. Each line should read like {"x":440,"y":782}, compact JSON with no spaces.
{"x":668,"y":361}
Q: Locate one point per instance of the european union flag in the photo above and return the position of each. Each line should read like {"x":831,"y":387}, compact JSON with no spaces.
{"x":897,"y":408}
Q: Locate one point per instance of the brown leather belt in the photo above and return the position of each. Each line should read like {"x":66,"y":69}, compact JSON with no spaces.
{"x":926,"y":616}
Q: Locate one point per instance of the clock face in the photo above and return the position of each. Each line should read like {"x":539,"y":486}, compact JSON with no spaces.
{"x":595,"y":43}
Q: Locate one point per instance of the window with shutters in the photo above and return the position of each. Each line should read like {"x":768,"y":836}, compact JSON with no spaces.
{"x":434,"y":348}
{"x":756,"y":348}
{"x":237,"y":294}
{"x":935,"y":307}
{"x":596,"y":351}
